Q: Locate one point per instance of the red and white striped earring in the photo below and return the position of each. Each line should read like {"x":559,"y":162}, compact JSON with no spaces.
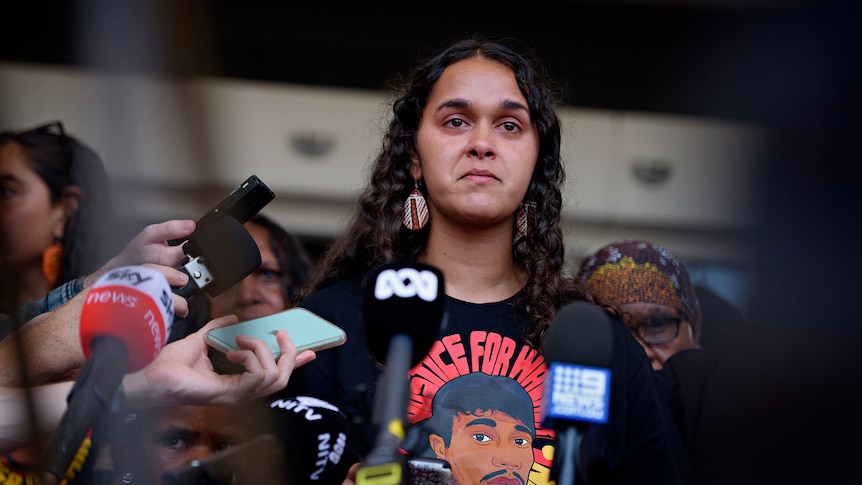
{"x":415,"y":210}
{"x":526,"y":219}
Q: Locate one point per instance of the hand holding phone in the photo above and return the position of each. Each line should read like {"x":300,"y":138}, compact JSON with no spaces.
{"x":307,"y":330}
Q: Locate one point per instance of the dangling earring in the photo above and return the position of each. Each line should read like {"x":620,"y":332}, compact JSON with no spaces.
{"x":52,"y":260}
{"x":525,"y":219}
{"x":415,"y":210}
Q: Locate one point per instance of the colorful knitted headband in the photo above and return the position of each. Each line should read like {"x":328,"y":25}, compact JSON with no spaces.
{"x":640,"y":271}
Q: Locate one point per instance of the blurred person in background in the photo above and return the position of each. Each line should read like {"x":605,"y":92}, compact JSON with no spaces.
{"x":653,"y":293}
{"x":274,"y":286}
{"x":56,"y":220}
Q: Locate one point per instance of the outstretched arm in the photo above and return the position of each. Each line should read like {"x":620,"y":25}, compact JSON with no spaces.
{"x":180,"y":374}
{"x":48,"y":345}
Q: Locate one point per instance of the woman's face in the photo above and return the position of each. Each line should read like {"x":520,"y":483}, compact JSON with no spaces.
{"x":659,"y":353}
{"x":476,"y":145}
{"x":29,"y":222}
{"x":260,"y":293}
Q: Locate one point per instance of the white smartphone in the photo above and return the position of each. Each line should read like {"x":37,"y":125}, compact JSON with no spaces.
{"x":306,"y":329}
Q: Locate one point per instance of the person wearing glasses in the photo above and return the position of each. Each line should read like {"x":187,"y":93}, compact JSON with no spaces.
{"x":274,"y":285}
{"x":652,"y":294}
{"x":56,"y":219}
{"x":651,"y":291}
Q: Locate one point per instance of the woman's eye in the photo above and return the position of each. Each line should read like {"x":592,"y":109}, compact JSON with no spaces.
{"x":455,"y":122}
{"x":510,"y":126}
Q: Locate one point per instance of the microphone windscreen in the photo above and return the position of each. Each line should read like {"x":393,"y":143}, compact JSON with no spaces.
{"x":228,"y":251}
{"x":404,"y":298}
{"x":580,"y":333}
{"x":132,"y":304}
{"x":313,"y":434}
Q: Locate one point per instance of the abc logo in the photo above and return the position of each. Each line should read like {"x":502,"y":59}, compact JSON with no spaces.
{"x":406,"y":283}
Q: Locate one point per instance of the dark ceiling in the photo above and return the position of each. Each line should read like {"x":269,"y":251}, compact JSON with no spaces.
{"x":714,"y":58}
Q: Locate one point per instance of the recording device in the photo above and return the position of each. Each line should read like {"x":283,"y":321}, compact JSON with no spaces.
{"x":259,"y":460}
{"x":220,"y":253}
{"x":125,"y":320}
{"x":242,"y":203}
{"x":579,"y":349}
{"x":306,"y":329}
{"x":404,"y":311}
{"x":217,"y":256}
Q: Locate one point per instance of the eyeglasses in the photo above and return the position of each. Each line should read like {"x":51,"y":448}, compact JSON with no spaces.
{"x":658,"y":330}
{"x":268,"y":276}
{"x":53,"y":128}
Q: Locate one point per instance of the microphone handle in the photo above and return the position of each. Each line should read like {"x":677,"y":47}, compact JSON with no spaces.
{"x":199,"y":276}
{"x":94,"y":389}
{"x":385,"y":463}
{"x":570,"y":443}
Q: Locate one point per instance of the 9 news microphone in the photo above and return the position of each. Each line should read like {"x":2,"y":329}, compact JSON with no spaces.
{"x":404,"y":312}
{"x":218,"y":255}
{"x":125,"y":321}
{"x":579,"y":349}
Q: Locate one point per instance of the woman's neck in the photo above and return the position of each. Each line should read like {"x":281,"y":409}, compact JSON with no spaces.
{"x":478,"y":266}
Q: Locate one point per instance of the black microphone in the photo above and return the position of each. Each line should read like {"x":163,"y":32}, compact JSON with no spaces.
{"x":578,"y":348}
{"x":404,"y":313}
{"x":218,"y":255}
{"x":313,"y":434}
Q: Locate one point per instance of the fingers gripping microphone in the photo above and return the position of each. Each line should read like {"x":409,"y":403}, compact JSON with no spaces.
{"x":404,"y":312}
{"x":218,"y":255}
{"x":125,"y":321}
{"x":579,"y":349}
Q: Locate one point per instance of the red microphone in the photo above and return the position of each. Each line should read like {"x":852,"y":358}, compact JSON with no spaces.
{"x":124,"y":324}
{"x":133,"y":305}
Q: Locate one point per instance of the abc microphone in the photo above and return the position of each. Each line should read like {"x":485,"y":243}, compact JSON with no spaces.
{"x":404,"y":312}
{"x":579,"y":349}
{"x":218,"y":255}
{"x":125,"y":321}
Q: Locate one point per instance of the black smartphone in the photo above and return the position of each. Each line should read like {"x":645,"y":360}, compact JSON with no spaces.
{"x":242,"y":203}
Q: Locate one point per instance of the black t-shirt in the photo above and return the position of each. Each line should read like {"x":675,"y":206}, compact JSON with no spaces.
{"x":636,"y":445}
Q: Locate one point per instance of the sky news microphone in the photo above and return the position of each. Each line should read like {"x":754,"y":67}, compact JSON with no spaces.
{"x":404,"y":312}
{"x":125,"y":320}
{"x":218,"y":255}
{"x":578,"y":348}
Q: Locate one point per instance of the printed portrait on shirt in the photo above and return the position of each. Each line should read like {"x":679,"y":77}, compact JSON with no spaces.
{"x":476,"y":405}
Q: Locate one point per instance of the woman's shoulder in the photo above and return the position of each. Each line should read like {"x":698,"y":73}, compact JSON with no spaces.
{"x":339,"y":297}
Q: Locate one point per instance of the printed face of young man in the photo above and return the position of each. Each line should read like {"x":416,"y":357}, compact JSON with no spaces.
{"x":488,"y":447}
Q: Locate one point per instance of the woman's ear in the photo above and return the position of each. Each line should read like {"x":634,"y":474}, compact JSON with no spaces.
{"x":69,"y":204}
{"x":415,"y":166}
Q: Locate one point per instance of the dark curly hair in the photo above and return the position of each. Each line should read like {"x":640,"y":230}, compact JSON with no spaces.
{"x":375,"y":235}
